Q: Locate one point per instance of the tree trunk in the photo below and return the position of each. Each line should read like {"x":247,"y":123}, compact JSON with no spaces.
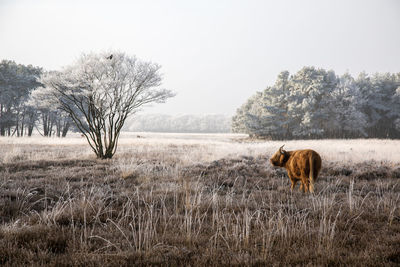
{"x":31,"y":123}
{"x":65,"y":129}
{"x":22,"y":124}
{"x":17,"y":124}
{"x":50,"y":126}
{"x":2,"y":130}
{"x":30,"y":129}
{"x":58,"y":129}
{"x":45,"y":126}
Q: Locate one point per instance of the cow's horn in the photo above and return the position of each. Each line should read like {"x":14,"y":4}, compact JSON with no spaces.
{"x":280,"y":149}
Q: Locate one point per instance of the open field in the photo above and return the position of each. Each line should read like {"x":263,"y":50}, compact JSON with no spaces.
{"x":180,"y":199}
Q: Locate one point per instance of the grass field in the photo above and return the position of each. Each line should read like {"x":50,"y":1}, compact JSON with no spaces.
{"x":195,"y":199}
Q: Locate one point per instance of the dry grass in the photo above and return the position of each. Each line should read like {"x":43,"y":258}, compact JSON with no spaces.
{"x":196,"y":200}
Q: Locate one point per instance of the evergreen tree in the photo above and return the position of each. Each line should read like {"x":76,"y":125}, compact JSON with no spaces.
{"x":16,"y":83}
{"x":350,"y":120}
{"x":311,"y":104}
{"x":315,"y":103}
{"x":239,"y":120}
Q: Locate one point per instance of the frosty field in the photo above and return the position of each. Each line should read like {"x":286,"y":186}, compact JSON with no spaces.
{"x":196,"y":199}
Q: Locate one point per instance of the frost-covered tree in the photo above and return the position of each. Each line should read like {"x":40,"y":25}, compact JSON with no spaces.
{"x":265,"y":115}
{"x":396,"y":104}
{"x":348,"y":100}
{"x":48,"y":110}
{"x":254,"y":117}
{"x":275,"y":102}
{"x":240,"y":119}
{"x":379,"y":103}
{"x":99,"y":92}
{"x":310,"y":102}
{"x":315,"y":103}
{"x":16,"y":83}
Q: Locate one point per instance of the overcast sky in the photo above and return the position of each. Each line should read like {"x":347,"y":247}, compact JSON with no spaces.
{"x":214,"y":53}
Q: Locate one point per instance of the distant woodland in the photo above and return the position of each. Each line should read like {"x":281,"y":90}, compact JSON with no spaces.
{"x":25,"y":107}
{"x":312,"y":103}
{"x":316,"y":103}
{"x":26,"y":104}
{"x":209,"y":123}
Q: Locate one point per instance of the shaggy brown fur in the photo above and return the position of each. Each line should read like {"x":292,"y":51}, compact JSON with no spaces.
{"x":303,"y":165}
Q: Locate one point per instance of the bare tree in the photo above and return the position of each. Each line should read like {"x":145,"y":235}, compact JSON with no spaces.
{"x":99,"y":93}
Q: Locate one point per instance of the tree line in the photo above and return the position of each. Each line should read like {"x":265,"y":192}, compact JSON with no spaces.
{"x":23,"y":107}
{"x":207,"y":123}
{"x":316,"y":103}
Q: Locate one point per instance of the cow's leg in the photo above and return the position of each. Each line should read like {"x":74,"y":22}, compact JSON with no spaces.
{"x":301,"y":186}
{"x":304,"y":181}
{"x":293,"y":182}
{"x":306,"y":187}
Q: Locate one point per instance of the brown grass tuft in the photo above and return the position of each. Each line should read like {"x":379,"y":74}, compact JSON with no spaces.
{"x":154,"y":205}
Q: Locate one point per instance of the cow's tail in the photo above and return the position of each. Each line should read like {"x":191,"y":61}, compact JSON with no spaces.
{"x":311,"y":175}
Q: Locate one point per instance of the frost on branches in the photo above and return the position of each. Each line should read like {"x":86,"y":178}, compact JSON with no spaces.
{"x":99,"y":92}
{"x":315,"y":103}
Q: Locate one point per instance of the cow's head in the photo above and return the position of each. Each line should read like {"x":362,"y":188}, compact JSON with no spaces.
{"x":279,"y":158}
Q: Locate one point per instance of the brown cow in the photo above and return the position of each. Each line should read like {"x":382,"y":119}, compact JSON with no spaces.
{"x":303,"y":165}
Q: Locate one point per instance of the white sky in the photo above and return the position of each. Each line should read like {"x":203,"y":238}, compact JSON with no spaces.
{"x":214,"y":54}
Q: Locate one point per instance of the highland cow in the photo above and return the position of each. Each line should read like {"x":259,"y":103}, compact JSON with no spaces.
{"x":303,"y":165}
